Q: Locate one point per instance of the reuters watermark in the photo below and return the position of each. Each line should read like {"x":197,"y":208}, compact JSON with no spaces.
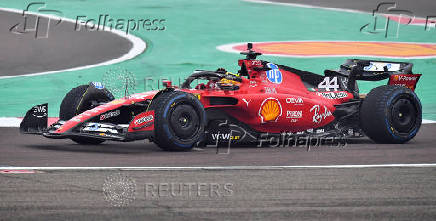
{"x":121,"y":190}
{"x":188,"y":190}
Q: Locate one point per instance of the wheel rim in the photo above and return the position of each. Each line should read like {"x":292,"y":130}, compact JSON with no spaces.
{"x":403,"y":115}
{"x":184,"y":122}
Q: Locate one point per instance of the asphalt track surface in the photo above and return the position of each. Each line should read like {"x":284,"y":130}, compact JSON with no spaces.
{"x":36,"y":151}
{"x":299,"y":194}
{"x":61,"y":47}
{"x":382,"y":193}
{"x":419,"y":8}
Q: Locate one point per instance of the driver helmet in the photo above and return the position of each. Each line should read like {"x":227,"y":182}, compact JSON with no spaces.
{"x":224,"y":71}
{"x":227,"y":82}
{"x":230,"y":73}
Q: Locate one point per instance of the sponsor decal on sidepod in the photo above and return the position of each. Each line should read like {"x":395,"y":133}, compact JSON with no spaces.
{"x":142,"y":120}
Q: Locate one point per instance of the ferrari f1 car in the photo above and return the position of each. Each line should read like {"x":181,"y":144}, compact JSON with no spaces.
{"x":262,"y":97}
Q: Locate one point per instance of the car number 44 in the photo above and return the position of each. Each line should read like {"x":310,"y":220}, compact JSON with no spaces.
{"x":329,"y":83}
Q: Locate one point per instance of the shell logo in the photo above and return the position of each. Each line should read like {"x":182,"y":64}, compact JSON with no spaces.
{"x":270,"y":110}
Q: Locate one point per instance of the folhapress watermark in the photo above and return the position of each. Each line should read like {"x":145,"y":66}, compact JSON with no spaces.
{"x":286,"y":140}
{"x":382,"y":21}
{"x":35,"y":23}
{"x":430,"y":23}
{"x":388,"y":18}
{"x":39,"y":20}
{"x":105,"y":22}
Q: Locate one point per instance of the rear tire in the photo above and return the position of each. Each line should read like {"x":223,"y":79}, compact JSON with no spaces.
{"x":180,"y":120}
{"x":391,"y":114}
{"x":74,"y":104}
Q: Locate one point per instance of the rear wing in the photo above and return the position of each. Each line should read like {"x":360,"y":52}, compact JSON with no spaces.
{"x":398,"y":73}
{"x":406,"y":80}
{"x":376,"y":70}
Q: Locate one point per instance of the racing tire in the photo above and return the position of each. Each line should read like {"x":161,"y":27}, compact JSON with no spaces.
{"x":179,"y":122}
{"x":391,"y":114}
{"x":73,"y":104}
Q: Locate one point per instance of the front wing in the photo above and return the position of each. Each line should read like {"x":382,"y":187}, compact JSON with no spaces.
{"x":35,"y":122}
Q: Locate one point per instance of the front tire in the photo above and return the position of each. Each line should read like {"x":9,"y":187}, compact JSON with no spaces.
{"x":180,"y":120}
{"x":75,"y":102}
{"x":391,"y":114}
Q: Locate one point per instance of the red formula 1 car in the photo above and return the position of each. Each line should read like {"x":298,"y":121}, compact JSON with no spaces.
{"x":262,"y":98}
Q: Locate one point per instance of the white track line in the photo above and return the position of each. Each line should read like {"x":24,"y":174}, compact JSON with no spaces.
{"x":10,"y":121}
{"x":226,"y":167}
{"x":138,"y":46}
{"x":424,"y":121}
{"x":15,"y":121}
{"x":229,"y":48}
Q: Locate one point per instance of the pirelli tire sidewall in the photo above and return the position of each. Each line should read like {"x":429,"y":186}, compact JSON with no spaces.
{"x":380,"y":119}
{"x":168,"y":107}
